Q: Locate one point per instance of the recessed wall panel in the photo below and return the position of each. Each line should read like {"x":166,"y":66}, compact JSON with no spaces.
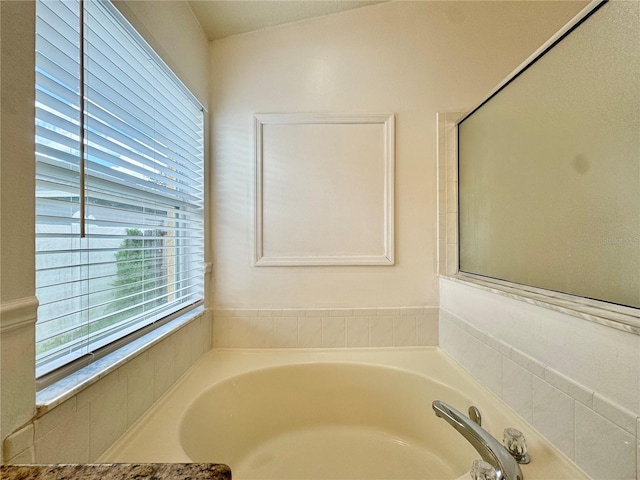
{"x":324,"y":190}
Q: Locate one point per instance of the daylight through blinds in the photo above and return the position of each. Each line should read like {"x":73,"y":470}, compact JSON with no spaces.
{"x":141,"y":257}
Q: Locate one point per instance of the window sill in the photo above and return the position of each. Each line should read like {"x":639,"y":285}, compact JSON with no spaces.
{"x":622,"y":318}
{"x":56,"y":393}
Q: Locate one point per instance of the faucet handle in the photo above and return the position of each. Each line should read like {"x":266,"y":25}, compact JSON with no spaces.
{"x":481,"y":470}
{"x":516,"y":445}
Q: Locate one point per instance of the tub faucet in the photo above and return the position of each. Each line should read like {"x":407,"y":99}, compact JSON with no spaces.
{"x":490,"y":449}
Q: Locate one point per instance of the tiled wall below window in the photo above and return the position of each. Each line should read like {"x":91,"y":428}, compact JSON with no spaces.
{"x":81,"y":428}
{"x":326,"y":328}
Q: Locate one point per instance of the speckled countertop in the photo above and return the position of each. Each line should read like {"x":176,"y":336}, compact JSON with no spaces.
{"x":118,"y":471}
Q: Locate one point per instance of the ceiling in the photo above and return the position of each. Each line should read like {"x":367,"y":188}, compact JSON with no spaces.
{"x":223,"y":18}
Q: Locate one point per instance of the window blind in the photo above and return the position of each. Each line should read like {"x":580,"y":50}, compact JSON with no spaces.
{"x":119,"y":183}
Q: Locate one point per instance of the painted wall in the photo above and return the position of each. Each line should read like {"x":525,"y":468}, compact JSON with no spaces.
{"x":17,"y":232}
{"x":412,"y":59}
{"x":173,"y":30}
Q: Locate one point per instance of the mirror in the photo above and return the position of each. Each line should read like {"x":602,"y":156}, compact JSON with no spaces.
{"x":549,"y":166}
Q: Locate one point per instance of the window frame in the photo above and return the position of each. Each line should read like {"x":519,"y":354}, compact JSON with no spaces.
{"x":195,"y":308}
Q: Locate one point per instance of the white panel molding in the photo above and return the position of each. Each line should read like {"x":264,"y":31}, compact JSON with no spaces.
{"x":388,"y":247}
{"x":18,"y":313}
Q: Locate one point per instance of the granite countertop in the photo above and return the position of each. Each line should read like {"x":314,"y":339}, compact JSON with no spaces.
{"x":118,"y":471}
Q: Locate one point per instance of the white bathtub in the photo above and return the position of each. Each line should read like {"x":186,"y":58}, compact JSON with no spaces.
{"x":326,"y":414}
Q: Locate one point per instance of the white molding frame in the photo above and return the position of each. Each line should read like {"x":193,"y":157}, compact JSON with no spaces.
{"x":18,"y":313}
{"x":388,"y":121}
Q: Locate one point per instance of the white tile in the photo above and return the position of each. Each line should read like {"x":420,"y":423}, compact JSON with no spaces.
{"x":452,"y":197}
{"x":412,"y":311}
{"x":553,"y":416}
{"x":442,"y":226}
{"x":97,"y":389}
{"x":163,"y":357}
{"x":107,"y":419}
{"x":527,"y":362}
{"x":358,"y":331}
{"x":139,"y":391}
{"x":309,"y":332}
{"x":246,"y":312}
{"x":196,"y":331}
{"x":205,"y":329}
{"x":294,"y":312}
{"x":223,"y":312}
{"x":446,"y":335}
{"x":318,"y":312}
{"x":182,"y":351}
{"x":452,"y":167}
{"x":18,"y":442}
{"x":285,"y":332}
{"x":601,"y":358}
{"x":431,"y":310}
{"x":25,"y":457}
{"x":487,"y":367}
{"x":483,"y":337}
{"x":68,"y":442}
{"x":427,"y":330}
{"x":604,"y":450}
{"x":250,"y":332}
{"x":452,"y":258}
{"x":260,"y":332}
{"x":381,"y":331}
{"x":614,"y":413}
{"x":333,"y":332}
{"x":53,"y":418}
{"x":238,"y":332}
{"x":222,"y":328}
{"x":365,"y":312}
{"x":270,"y":313}
{"x":517,"y":388}
{"x":452,"y":228}
{"x":342,"y":312}
{"x":442,"y":263}
{"x":497,"y":345}
{"x":388,"y":311}
{"x":404,"y":331}
{"x":568,"y":386}
{"x":133,"y":364}
{"x":457,"y":342}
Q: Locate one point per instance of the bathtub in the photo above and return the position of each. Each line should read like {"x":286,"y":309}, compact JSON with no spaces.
{"x":326,"y":414}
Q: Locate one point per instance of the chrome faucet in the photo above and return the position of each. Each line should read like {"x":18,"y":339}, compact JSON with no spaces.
{"x":490,"y":449}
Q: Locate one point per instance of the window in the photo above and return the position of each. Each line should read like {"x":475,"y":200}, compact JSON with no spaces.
{"x":119,"y":183}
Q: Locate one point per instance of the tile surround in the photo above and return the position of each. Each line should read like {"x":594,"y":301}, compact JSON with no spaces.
{"x":326,"y":327}
{"x":78,"y":427}
{"x":447,"y":193}
{"x":602,"y":437}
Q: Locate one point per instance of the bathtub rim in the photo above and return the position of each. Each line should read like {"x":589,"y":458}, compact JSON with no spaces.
{"x":227,"y":362}
{"x":390,"y":369}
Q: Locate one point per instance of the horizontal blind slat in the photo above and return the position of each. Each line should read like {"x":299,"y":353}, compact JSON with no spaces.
{"x":142,"y":256}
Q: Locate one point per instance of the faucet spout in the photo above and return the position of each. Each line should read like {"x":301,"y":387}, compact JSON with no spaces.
{"x":490,"y":449}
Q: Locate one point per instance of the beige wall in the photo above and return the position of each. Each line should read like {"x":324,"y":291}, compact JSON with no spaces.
{"x":172,"y":29}
{"x":17,"y":192}
{"x":413,"y":59}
